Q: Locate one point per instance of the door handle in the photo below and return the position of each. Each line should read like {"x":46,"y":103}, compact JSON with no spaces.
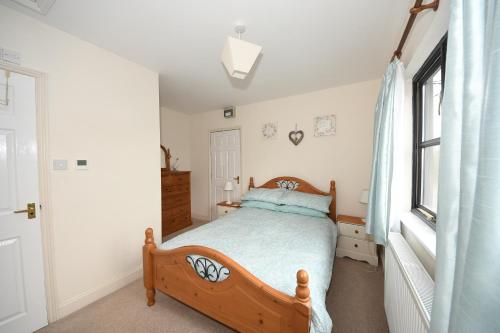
{"x":237,"y":179}
{"x":30,"y":209}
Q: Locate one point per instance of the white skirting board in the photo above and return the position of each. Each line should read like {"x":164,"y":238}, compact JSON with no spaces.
{"x":79,"y":301}
{"x":200,"y":217}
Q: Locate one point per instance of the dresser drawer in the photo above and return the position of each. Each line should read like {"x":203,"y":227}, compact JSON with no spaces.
{"x":179,"y":210}
{"x":172,"y":224}
{"x":352,"y":230}
{"x":357,"y":245}
{"x":175,"y":179}
{"x":174,"y":189}
{"x":175,"y":220}
{"x":173,"y":201}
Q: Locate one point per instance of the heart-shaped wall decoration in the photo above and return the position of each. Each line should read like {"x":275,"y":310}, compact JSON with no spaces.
{"x":296,"y":136}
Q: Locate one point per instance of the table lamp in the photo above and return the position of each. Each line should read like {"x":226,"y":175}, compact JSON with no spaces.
{"x":363,"y":198}
{"x":228,"y":188}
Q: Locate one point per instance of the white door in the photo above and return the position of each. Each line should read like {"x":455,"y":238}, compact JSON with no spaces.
{"x":22,"y":292}
{"x":225,"y":166}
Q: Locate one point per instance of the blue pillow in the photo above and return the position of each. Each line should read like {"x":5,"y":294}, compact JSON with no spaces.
{"x":264,"y":194}
{"x":260,"y":204}
{"x":301,"y":211}
{"x":307,"y":200}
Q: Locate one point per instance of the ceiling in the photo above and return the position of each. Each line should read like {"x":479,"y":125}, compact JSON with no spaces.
{"x":307,"y":44}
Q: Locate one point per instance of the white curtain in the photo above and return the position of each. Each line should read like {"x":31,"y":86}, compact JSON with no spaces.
{"x":467,"y":293}
{"x":384,"y":207}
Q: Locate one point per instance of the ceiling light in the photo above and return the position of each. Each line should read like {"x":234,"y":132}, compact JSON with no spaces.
{"x":238,"y":56}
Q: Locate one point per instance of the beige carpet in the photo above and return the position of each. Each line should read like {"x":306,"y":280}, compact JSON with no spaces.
{"x":355,"y":303}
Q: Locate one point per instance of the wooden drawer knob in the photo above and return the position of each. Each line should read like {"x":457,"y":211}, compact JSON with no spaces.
{"x":356,"y":231}
{"x":225,"y":211}
{"x":355,"y":245}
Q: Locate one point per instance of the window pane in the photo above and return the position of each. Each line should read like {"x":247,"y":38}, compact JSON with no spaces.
{"x":431,"y":103}
{"x":429,"y":180}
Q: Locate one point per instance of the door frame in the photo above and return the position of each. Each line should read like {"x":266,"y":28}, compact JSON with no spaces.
{"x":210,"y":163}
{"x":42,"y":136}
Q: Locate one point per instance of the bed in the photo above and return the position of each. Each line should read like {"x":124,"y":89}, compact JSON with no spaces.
{"x":254,"y":270}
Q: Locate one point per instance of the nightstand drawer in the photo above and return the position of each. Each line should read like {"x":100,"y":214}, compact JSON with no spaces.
{"x":356,"y":245}
{"x":352,"y":230}
{"x":223,"y":210}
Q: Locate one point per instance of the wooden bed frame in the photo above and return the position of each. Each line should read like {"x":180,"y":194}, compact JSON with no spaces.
{"x":191,"y":274}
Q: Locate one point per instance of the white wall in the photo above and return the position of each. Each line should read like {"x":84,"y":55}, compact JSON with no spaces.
{"x":175,"y":134}
{"x":428,"y":31}
{"x":105,"y":109}
{"x":344,"y":157}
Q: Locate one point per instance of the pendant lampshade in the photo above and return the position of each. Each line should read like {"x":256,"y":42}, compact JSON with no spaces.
{"x":238,"y":56}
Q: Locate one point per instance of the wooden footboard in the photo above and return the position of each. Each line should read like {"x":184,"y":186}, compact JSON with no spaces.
{"x":219,"y":287}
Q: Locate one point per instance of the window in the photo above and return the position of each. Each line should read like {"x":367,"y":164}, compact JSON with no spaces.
{"x":428,"y":86}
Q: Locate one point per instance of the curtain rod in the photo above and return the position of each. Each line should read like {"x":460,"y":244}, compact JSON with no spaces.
{"x":417,"y":8}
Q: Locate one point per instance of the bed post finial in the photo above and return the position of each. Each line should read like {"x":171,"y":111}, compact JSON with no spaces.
{"x":333,"y":204}
{"x":149,"y":236}
{"x":303,"y":311}
{"x":302,"y":291}
{"x":251,"y":185}
{"x":147,"y":266}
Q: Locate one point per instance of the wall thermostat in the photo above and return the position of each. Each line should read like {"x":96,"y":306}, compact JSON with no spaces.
{"x":81,"y":165}
{"x":229,"y":112}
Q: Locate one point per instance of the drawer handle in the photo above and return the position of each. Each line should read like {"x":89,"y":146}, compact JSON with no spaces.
{"x":225,"y":211}
{"x":355,"y":245}
{"x":356,"y":231}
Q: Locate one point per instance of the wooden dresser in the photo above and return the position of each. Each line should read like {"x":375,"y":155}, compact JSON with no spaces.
{"x":175,"y":200}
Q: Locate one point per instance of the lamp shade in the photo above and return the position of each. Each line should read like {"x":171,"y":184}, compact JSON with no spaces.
{"x":228,"y":186}
{"x":363,"y":198}
{"x":238,"y":56}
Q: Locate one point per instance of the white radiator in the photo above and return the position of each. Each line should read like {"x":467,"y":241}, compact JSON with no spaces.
{"x":408,"y":288}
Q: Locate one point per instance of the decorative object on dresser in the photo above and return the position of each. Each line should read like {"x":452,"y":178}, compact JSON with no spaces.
{"x":325,"y":125}
{"x":224,"y":208}
{"x":354,"y":242}
{"x":296,"y":136}
{"x":175,"y":198}
{"x":166,"y":157}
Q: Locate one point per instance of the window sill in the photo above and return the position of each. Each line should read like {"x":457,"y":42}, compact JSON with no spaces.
{"x":424,"y":233}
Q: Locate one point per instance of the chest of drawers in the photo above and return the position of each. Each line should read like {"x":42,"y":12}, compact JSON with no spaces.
{"x":175,"y":200}
{"x":354,"y":242}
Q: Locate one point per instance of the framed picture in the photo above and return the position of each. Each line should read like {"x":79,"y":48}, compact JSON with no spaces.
{"x":270,"y":131}
{"x":325,"y":125}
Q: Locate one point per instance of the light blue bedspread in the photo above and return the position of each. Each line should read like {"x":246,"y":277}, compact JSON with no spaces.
{"x":273,"y":246}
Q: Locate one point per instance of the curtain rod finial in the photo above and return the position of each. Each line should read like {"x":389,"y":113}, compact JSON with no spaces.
{"x":396,"y":54}
{"x":433,"y":5}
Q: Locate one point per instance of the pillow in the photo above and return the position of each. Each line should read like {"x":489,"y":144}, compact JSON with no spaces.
{"x":301,"y":211}
{"x":307,"y":200}
{"x":264,"y":194}
{"x":260,"y":204}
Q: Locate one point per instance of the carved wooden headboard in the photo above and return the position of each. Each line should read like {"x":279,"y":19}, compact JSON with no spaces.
{"x":300,"y":185}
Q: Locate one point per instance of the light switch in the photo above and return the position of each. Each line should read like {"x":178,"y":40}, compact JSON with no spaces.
{"x":60,"y":164}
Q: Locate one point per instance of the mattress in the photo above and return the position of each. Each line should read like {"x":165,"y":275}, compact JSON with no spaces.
{"x":273,"y":246}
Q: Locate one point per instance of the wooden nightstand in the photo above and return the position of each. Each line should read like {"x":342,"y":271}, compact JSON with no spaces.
{"x":223,"y":208}
{"x":353,"y":242}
